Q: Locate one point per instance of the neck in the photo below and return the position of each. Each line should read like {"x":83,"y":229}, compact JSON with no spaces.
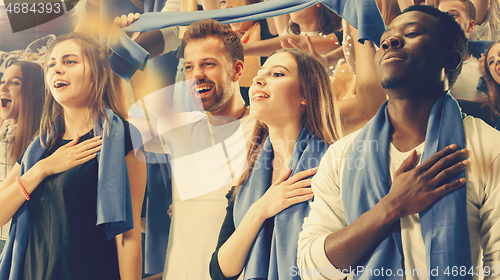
{"x":409,"y":119}
{"x":283,"y":139}
{"x":309,"y":26}
{"x":76,"y":123}
{"x":467,"y":55}
{"x":234,"y":108}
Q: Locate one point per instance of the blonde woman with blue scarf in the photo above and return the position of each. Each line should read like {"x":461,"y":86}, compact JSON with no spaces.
{"x":292,"y":100}
{"x":75,"y":208}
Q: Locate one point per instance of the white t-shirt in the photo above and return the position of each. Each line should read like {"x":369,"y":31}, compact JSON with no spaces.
{"x":486,"y":31}
{"x":466,"y":85}
{"x":201,"y":164}
{"x":483,"y":199}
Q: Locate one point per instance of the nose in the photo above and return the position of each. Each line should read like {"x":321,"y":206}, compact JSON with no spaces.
{"x":3,"y":87}
{"x":57,"y":69}
{"x":392,"y":42}
{"x":197,"y":73}
{"x":259,"y":80}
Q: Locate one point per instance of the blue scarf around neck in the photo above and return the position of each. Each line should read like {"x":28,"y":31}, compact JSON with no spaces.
{"x":114,"y":202}
{"x":274,"y":251}
{"x":444,"y":224}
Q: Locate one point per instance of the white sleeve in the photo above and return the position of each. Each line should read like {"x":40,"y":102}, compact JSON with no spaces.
{"x":490,"y":227}
{"x":326,"y":216}
{"x":171,"y":34}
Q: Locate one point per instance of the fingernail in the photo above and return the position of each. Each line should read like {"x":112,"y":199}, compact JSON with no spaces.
{"x":453,"y":146}
{"x":465,"y":151}
{"x":461,"y":180}
{"x":466,"y":162}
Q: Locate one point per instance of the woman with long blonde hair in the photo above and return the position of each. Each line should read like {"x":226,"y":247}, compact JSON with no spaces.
{"x":291,"y":99}
{"x":75,"y":208}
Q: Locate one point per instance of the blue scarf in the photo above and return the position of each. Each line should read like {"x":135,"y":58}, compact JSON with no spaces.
{"x":127,"y":56}
{"x":274,"y":251}
{"x":444,"y":225}
{"x":114,"y":202}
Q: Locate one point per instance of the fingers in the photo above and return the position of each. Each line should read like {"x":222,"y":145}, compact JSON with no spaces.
{"x":301,"y":175}
{"x":407,"y":164}
{"x":88,"y":152}
{"x":312,"y":50}
{"x":447,"y":188}
{"x":283,"y":177}
{"x":438,"y":156}
{"x":285,"y":45}
{"x":126,"y":20}
{"x":73,"y":142}
{"x":442,"y":166}
{"x":294,"y":44}
{"x":132,"y":17}
{"x":299,"y":199}
{"x":85,"y":159}
{"x":89,"y":144}
{"x":303,"y":190}
{"x":301,"y":184}
{"x":450,"y":172}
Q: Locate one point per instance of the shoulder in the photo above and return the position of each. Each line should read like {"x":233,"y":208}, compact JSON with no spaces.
{"x":333,"y":161}
{"x":476,"y":110}
{"x":482,"y":141}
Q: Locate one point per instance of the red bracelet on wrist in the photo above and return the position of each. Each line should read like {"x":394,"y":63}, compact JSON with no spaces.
{"x":21,"y":187}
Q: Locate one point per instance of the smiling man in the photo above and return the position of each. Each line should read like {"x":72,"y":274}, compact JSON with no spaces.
{"x":419,"y":200}
{"x":207,"y":149}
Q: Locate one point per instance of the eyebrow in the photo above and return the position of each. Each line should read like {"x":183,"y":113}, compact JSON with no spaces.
{"x":14,"y":77}
{"x":66,"y":56}
{"x":275,"y":66}
{"x":406,"y":25}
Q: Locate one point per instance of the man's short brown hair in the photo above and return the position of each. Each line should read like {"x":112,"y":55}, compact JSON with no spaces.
{"x":211,"y":28}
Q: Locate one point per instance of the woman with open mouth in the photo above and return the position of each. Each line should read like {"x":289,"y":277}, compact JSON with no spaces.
{"x":292,"y":101}
{"x":75,"y":208}
{"x":22,"y":94}
{"x":491,"y":69}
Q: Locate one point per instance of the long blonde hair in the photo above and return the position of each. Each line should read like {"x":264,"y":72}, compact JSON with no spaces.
{"x":102,"y":87}
{"x":30,"y":107}
{"x":320,"y":117}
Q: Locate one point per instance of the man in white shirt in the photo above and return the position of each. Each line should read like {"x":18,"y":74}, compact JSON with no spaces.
{"x":464,"y":13}
{"x":208,"y":150}
{"x":384,"y":214}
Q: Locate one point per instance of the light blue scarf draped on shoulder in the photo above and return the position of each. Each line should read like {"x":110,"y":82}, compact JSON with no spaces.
{"x":114,"y":202}
{"x":444,"y":224}
{"x":274,"y":251}
{"x":127,"y":56}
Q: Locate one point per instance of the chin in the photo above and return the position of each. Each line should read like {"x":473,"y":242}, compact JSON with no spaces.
{"x":395,"y":82}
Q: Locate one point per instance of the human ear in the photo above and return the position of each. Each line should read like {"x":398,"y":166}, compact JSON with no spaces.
{"x":470,"y":27}
{"x":238,"y":68}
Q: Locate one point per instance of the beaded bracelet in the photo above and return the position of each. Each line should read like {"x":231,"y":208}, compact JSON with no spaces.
{"x":21,"y":187}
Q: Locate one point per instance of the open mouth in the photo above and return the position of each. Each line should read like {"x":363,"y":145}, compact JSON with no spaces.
{"x":202,"y":90}
{"x":260,"y":95}
{"x":60,"y":84}
{"x":5,"y":102}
